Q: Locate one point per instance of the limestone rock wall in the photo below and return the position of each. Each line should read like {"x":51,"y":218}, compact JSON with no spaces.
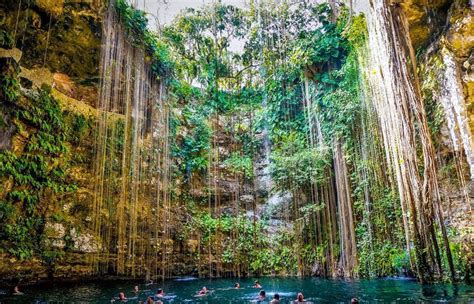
{"x":442,"y":33}
{"x":54,"y":45}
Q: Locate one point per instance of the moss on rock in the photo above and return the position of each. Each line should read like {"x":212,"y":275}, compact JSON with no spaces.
{"x":425,"y":18}
{"x":54,"y":7}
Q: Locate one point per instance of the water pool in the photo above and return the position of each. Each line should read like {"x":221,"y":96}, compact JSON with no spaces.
{"x":315,"y":290}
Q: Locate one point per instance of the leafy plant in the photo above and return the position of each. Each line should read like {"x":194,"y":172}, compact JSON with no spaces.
{"x":136,"y":26}
{"x":241,"y":165}
{"x":35,"y":175}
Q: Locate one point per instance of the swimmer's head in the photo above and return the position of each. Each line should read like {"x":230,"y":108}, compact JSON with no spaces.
{"x":300,"y":296}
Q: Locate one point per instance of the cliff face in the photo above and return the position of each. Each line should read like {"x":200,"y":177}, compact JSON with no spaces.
{"x":63,"y":36}
{"x":53,"y":48}
{"x":442,"y":33}
{"x":449,"y":24}
{"x":49,"y":54}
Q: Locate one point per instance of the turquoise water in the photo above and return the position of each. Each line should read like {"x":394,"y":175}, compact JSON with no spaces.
{"x":221,"y":291}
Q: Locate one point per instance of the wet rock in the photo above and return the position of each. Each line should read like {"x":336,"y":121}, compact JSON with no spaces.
{"x":223,"y":151}
{"x":55,"y":230}
{"x":192,"y":245}
{"x":425,"y":18}
{"x":38,"y":77}
{"x":460,"y":37}
{"x":84,"y":242}
{"x":11,"y":53}
{"x":247,"y":198}
{"x":54,"y":233}
{"x":277,"y":205}
{"x":71,"y":44}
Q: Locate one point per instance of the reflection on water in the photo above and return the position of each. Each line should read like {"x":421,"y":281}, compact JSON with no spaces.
{"x":220,"y":291}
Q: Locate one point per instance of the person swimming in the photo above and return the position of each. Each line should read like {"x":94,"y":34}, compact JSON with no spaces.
{"x":16,"y":291}
{"x":257,"y":285}
{"x":159,"y":293}
{"x":136,"y":289}
{"x":354,"y":301}
{"x":122,"y":296}
{"x":299,"y":298}
{"x":149,"y":300}
{"x":276,"y":299}
{"x":236,"y":285}
{"x":203,"y":291}
{"x":262,"y":295}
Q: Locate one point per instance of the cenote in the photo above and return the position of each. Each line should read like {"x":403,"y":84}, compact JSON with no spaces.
{"x":222,"y":291}
{"x":214,"y":139}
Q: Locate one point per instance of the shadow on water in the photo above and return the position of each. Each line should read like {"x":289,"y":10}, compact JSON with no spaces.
{"x":183,"y":290}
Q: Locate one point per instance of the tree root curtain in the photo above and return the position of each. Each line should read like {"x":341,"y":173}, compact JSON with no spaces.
{"x":131,"y":201}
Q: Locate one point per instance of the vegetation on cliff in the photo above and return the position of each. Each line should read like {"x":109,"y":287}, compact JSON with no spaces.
{"x":35,"y":173}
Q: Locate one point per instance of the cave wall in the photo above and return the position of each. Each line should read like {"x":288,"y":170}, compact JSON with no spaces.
{"x":54,"y":49}
{"x":54,"y":46}
{"x":442,"y":34}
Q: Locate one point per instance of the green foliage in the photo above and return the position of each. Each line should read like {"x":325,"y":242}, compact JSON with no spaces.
{"x":191,"y":150}
{"x":32,"y":178}
{"x":201,"y":40}
{"x":6,"y":39}
{"x":244,"y":243}
{"x":338,"y":102}
{"x":356,"y":33}
{"x":284,"y":110}
{"x":433,"y":108}
{"x":384,"y":259}
{"x":9,"y":83}
{"x":294,"y":164}
{"x":240,"y":165}
{"x":80,"y":127}
{"x":136,"y":26}
{"x":323,"y":48}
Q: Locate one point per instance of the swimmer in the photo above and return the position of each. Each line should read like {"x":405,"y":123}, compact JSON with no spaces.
{"x":276,"y":299}
{"x":122,"y":296}
{"x":136,"y":289}
{"x":299,"y":298}
{"x":257,"y":285}
{"x":16,"y":291}
{"x":354,"y":301}
{"x":203,"y":291}
{"x":261,"y":295}
{"x":160,"y":293}
{"x":236,"y":285}
{"x":149,"y":300}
